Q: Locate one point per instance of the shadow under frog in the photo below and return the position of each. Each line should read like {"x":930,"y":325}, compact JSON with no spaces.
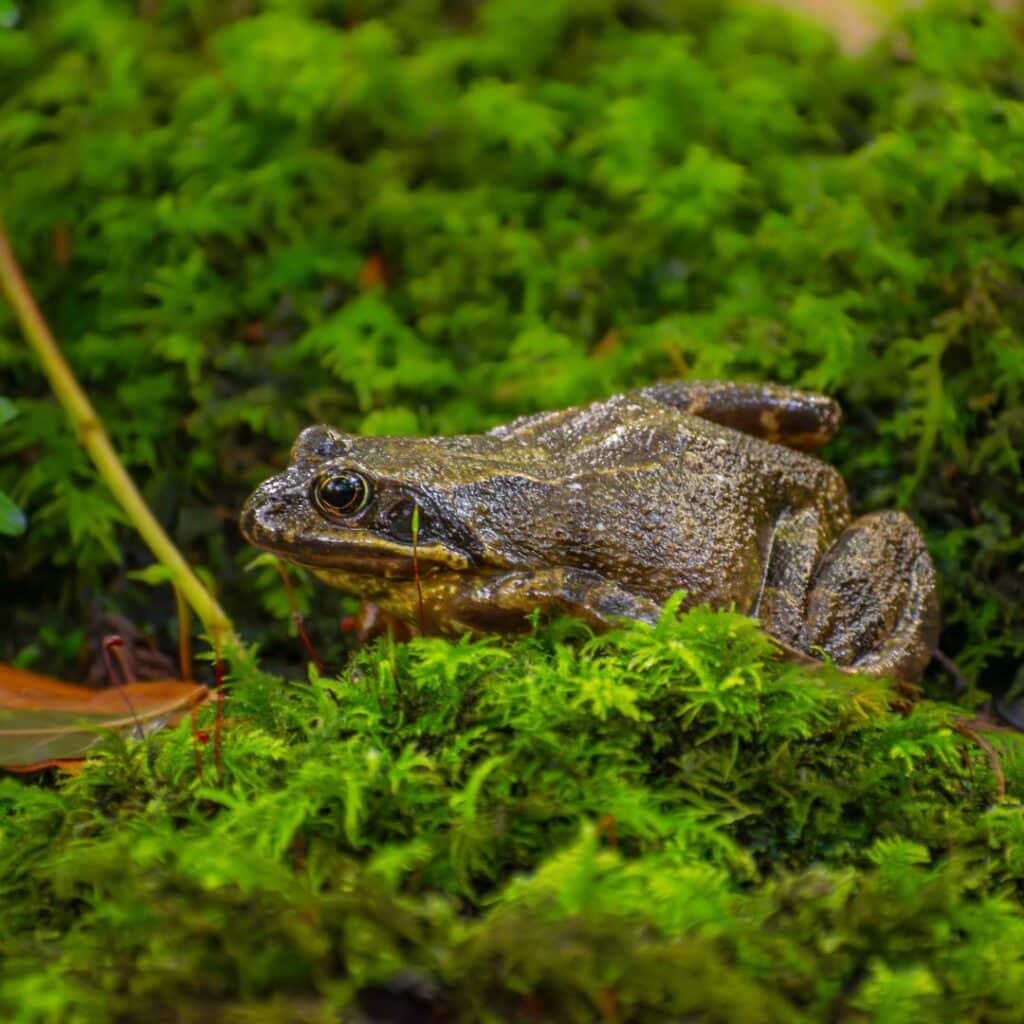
{"x":604,"y":510}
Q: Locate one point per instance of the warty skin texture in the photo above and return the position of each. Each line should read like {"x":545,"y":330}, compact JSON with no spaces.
{"x":603,"y":511}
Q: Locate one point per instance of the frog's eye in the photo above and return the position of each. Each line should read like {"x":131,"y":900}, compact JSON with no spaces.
{"x":343,"y":495}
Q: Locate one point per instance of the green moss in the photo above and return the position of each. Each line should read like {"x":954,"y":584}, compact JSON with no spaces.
{"x":668,"y":819}
{"x":433,"y":216}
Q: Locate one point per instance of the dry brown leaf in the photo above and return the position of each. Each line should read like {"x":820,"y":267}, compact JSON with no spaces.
{"x":46,"y":723}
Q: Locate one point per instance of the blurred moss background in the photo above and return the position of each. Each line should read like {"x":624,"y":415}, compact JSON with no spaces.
{"x":430,"y":216}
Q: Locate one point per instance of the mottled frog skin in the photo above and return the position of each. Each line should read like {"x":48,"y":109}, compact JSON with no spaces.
{"x":604,"y":510}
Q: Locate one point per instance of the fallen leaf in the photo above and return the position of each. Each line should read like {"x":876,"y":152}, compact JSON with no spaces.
{"x":70,"y":766}
{"x":44,"y":722}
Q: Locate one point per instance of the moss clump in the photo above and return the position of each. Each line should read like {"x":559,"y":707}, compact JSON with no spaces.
{"x":648,"y":824}
{"x":431,"y":216}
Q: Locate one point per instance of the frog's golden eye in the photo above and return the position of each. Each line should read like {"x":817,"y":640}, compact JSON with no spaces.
{"x":343,"y":495}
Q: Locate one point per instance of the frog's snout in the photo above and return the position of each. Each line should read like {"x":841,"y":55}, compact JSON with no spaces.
{"x":262,"y":516}
{"x":247,"y":519}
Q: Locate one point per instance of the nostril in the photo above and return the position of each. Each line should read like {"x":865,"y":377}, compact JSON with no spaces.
{"x":273,"y":507}
{"x":258,"y":514}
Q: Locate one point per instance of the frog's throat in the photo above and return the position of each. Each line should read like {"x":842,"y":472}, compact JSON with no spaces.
{"x":427,"y":602}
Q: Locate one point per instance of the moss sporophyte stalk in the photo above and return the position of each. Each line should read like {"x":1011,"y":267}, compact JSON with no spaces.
{"x":427,"y":220}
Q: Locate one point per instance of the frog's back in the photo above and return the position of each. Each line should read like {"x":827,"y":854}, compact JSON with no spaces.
{"x":661,"y":500}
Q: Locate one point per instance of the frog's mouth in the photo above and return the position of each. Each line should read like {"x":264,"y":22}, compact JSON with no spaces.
{"x":372,"y":556}
{"x":361,"y":551}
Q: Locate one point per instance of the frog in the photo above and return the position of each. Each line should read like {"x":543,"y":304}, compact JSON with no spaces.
{"x":603,"y":511}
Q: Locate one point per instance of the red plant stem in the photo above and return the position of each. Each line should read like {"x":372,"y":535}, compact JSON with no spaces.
{"x":300,"y":624}
{"x":196,"y":752}
{"x":606,"y":827}
{"x":218,"y":721}
{"x":112,"y":644}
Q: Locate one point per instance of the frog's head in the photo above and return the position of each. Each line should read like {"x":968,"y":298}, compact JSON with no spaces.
{"x":348,"y":504}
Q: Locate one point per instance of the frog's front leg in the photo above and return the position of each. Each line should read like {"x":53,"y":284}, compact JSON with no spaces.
{"x":503,"y":602}
{"x":798,"y":419}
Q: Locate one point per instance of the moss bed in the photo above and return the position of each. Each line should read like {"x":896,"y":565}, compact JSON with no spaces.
{"x":428,"y":216}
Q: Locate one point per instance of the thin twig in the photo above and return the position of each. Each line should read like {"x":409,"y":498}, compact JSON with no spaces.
{"x":959,"y":680}
{"x":961,"y":726}
{"x":91,"y":435}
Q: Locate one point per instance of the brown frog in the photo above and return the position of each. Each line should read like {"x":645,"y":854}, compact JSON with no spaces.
{"x":603,"y":511}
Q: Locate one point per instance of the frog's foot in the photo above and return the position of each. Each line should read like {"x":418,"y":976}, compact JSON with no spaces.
{"x":503,"y":603}
{"x":872,"y":603}
{"x":773,"y":412}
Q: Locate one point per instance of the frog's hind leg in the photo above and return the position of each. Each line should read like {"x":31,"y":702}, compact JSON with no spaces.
{"x":797,"y":419}
{"x":872,"y":604}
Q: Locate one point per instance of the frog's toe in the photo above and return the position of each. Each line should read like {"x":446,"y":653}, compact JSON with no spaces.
{"x":872,"y":604}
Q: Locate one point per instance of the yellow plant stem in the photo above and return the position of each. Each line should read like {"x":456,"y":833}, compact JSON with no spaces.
{"x":89,"y":430}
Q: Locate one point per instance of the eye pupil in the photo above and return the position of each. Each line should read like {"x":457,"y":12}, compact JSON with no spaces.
{"x":342,"y":495}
